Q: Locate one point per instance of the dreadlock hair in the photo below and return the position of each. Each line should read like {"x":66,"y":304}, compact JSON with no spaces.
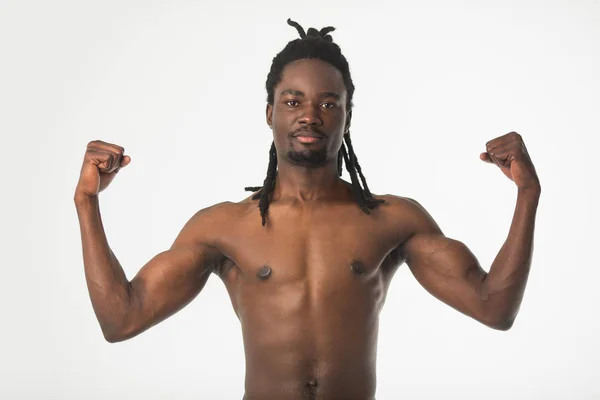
{"x":314,"y":44}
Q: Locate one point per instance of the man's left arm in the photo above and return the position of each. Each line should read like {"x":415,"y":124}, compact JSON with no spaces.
{"x":448,"y":269}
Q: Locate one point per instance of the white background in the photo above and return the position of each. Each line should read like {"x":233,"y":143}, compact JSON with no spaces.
{"x":180,"y":85}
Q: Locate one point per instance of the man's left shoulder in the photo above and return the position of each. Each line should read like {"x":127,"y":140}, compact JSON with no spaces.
{"x":405,"y":211}
{"x":395,"y":203}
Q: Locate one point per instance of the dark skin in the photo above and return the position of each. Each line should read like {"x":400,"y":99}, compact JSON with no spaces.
{"x":309,"y":286}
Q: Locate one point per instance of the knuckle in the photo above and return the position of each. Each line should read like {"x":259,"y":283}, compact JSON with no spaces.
{"x":91,"y":152}
{"x":103,"y":155}
{"x":107,"y":164}
{"x":116,"y":149}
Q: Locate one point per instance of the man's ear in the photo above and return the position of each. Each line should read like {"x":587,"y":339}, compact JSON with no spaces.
{"x":270,"y":115}
{"x":348,"y":121}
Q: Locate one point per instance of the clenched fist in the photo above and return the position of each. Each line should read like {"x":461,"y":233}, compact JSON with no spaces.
{"x":101,"y":163}
{"x":509,"y":153}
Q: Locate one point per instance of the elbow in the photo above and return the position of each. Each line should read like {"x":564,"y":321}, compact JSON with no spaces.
{"x":120,"y":327}
{"x":496,"y":314}
{"x":497,"y":319}
{"x":120,"y":333}
{"x":499,"y":322}
{"x":112,"y":339}
{"x":118,"y":337}
{"x":113,"y":335}
{"x":116,"y":333}
{"x":502,"y":324}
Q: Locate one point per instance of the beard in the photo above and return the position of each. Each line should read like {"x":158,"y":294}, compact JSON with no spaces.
{"x":308,"y":158}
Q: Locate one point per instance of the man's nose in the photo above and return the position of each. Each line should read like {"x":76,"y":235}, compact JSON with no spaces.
{"x":311,"y":116}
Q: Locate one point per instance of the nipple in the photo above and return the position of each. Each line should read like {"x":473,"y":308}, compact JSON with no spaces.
{"x":358,"y":268}
{"x":264,"y":273}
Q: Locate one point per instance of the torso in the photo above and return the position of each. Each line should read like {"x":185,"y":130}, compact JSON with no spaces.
{"x":308,"y":288}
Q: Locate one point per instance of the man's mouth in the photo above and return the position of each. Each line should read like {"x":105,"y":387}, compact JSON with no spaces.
{"x":307,"y":137}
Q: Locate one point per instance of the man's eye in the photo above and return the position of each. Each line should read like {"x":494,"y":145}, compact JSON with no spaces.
{"x":295,"y":103}
{"x":329,"y":105}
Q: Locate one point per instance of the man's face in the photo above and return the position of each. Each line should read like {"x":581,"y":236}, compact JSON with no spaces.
{"x":309,"y":100}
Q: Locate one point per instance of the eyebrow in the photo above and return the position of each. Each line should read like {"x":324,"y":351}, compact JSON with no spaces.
{"x":299,"y":93}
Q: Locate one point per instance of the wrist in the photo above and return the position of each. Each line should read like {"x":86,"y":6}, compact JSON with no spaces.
{"x":82,"y":198}
{"x":530,"y":192}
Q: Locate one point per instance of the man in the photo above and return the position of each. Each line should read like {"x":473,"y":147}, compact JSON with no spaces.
{"x":307,"y":259}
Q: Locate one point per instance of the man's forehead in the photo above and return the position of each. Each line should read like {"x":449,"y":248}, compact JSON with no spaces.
{"x":311,"y":75}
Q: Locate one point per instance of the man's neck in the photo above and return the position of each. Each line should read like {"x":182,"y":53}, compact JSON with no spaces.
{"x":307,"y":184}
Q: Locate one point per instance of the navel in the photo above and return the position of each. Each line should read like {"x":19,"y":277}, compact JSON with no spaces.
{"x":312,"y":383}
{"x":264,"y":273}
{"x":310,"y":388}
{"x":358,"y":268}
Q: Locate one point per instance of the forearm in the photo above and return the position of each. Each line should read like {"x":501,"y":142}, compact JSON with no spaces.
{"x":504,"y":285}
{"x":107,"y":284}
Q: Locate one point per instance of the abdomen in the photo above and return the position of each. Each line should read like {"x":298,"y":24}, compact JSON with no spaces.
{"x":304,"y":343}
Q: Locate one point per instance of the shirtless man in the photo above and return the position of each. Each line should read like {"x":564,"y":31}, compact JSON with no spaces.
{"x":307,"y":259}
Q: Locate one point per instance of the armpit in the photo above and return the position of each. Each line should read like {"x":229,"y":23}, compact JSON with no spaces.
{"x":222,"y":267}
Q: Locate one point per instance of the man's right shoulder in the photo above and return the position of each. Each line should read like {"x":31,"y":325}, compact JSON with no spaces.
{"x":224,"y":213}
{"x":212,"y":224}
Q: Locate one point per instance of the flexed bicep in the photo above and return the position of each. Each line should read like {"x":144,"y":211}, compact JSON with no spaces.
{"x":448,"y":270}
{"x":166,"y":284}
{"x":445,"y":267}
{"x":173,"y":278}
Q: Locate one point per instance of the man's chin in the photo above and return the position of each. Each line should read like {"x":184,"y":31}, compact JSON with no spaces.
{"x":308,"y":158}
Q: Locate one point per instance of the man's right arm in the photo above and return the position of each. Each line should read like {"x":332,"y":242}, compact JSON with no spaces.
{"x":166,"y":284}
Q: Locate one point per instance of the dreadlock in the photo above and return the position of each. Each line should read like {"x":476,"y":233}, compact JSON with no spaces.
{"x":314,"y":44}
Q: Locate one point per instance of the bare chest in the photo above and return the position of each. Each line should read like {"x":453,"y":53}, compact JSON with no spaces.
{"x":317,"y":254}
